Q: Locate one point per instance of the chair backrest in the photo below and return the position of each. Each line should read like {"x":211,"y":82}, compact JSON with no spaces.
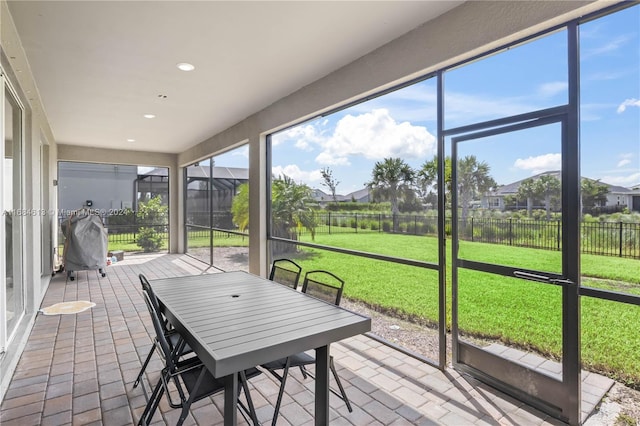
{"x":323,"y":285}
{"x":146,"y":287}
{"x":158,"y":327}
{"x":286,"y":272}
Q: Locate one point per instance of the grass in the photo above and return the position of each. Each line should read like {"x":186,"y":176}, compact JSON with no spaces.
{"x":126,"y":242}
{"x":522,"y":313}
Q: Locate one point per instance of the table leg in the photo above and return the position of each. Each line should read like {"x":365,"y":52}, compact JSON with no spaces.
{"x":230,"y":399}
{"x":322,"y":386}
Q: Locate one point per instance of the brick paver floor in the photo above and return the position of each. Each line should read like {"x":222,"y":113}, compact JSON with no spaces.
{"x":78,"y":369}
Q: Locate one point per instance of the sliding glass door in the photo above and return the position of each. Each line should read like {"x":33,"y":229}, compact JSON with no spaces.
{"x":12,"y":295}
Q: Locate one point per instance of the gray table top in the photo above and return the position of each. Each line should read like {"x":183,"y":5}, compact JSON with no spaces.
{"x":236,"y":320}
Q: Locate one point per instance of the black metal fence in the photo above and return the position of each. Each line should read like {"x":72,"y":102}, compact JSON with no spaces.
{"x":618,"y":239}
{"x":123,"y":231}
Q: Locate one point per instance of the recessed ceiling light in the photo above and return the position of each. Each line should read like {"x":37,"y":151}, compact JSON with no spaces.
{"x":185,"y":66}
{"x":149,"y":116}
{"x":131,"y":140}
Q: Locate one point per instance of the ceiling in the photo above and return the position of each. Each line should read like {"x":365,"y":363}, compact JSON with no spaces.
{"x":99,"y":66}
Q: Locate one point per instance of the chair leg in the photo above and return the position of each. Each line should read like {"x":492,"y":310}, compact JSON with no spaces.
{"x":304,"y":371}
{"x":252,"y":409}
{"x":335,"y":375}
{"x":187,"y":404}
{"x":152,"y":403}
{"x":144,"y":367}
{"x":283,"y":381}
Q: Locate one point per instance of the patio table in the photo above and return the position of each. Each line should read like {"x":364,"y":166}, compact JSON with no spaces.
{"x":235,"y":320}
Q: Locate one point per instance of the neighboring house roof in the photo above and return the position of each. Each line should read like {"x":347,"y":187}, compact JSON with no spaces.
{"x":361,"y":195}
{"x":512,"y":188}
{"x":160,"y":171}
{"x":202,"y":172}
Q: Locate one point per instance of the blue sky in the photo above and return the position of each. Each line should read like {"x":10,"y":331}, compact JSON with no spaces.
{"x":522,"y":79}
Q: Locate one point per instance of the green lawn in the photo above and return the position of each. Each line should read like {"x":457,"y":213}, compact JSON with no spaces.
{"x":126,"y":242}
{"x":526,"y":314}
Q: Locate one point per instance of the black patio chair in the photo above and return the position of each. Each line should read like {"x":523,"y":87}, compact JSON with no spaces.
{"x":190,"y":377}
{"x":328,"y":287}
{"x":170,"y":334}
{"x":286,"y":272}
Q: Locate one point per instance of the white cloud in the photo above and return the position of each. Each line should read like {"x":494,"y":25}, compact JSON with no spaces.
{"x":625,"y":159}
{"x":628,"y":103}
{"x":298,"y":175}
{"x":241,"y":152}
{"x":539,"y":164}
{"x":415,"y":103}
{"x":607,"y":75}
{"x":463,"y":108}
{"x":305,"y":136}
{"x":553,"y":88}
{"x":375,"y":135}
{"x":594,"y":111}
{"x":624,"y":181}
{"x":610,"y":46}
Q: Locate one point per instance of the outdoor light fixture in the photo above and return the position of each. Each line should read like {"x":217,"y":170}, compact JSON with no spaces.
{"x":185,"y":66}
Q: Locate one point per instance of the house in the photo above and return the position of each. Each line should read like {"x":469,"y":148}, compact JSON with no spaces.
{"x":109,"y":83}
{"x":359,"y":196}
{"x":618,"y":197}
{"x":103,"y":187}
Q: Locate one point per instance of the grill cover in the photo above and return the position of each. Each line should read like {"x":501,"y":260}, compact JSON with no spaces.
{"x":86,"y":242}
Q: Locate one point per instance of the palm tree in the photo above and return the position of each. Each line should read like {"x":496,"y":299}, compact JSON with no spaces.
{"x":473,"y":181}
{"x":392,"y":179}
{"x":593,"y":193}
{"x":528,"y":190}
{"x":549,"y":186}
{"x":427,"y":178}
{"x":240,"y":207}
{"x":291,"y":210}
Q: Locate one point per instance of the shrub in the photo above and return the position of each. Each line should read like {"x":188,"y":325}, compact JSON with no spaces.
{"x":386,"y":225}
{"x":149,"y":239}
{"x":150,"y":213}
{"x":374,"y":226}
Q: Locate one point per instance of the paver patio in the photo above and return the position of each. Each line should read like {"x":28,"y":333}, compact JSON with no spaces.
{"x":78,"y":369}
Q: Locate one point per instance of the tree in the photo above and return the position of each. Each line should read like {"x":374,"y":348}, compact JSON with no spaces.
{"x":528,"y":190}
{"x":473,"y":180}
{"x":593,"y":193}
{"x":240,"y":207}
{"x":291,"y":210}
{"x":392,"y":180}
{"x":549,"y":187}
{"x":151,"y":214}
{"x":330,"y":182}
{"x":427,"y":179}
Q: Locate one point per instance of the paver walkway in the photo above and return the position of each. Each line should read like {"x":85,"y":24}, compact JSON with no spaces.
{"x":78,"y":369}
